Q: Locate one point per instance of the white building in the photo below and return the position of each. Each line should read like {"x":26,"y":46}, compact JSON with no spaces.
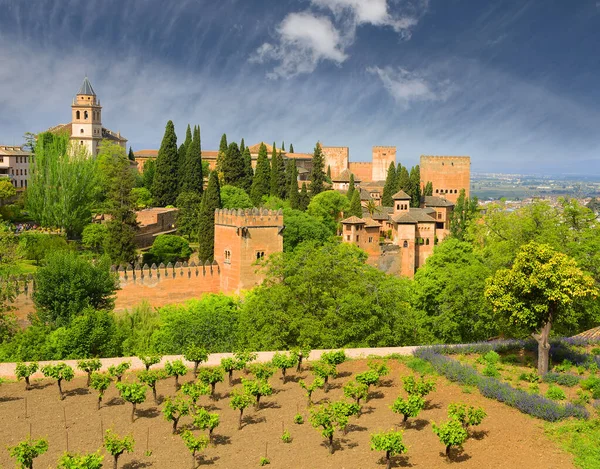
{"x":14,"y":164}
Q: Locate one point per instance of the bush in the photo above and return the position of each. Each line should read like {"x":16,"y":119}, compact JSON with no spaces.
{"x":94,"y":236}
{"x":36,"y":246}
{"x":26,"y":451}
{"x":80,"y":461}
{"x":555,"y":393}
{"x":286,"y":437}
{"x":390,"y":442}
{"x":170,"y":248}
{"x":24,"y":371}
{"x":491,"y":371}
{"x":531,"y":377}
{"x":116,"y":446}
{"x":467,"y":415}
{"x":591,"y":384}
{"x":421,"y":388}
{"x":335,"y":357}
{"x":563,"y":379}
{"x":410,"y":407}
{"x":451,"y":433}
{"x":60,"y":372}
{"x":142,"y":197}
{"x":298,"y":419}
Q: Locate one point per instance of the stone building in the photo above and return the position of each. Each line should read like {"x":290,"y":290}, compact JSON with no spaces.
{"x":14,"y":164}
{"x":86,"y":126}
{"x":448,"y":174}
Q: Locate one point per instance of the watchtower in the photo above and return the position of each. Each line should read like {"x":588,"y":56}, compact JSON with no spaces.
{"x":241,"y":238}
{"x":382,"y":157}
{"x":448,"y":174}
{"x":86,"y":122}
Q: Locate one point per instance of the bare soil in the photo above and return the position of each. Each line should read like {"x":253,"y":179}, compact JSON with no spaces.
{"x":506,"y":439}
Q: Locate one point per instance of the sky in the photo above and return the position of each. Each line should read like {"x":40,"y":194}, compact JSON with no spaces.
{"x":515,"y":84}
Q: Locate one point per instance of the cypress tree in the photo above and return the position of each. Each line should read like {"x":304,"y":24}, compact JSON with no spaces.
{"x":282,"y":146}
{"x":248,"y":171}
{"x":317,"y":176}
{"x":428,"y":188}
{"x":390,"y":187}
{"x":355,"y":206}
{"x":182,"y":153}
{"x":303,"y":200}
{"x":351,"y":188}
{"x":329,"y":172}
{"x":293,"y":195}
{"x":242,"y":146}
{"x":222,"y":151}
{"x":164,"y":186}
{"x":278,"y":177}
{"x":415,"y":185}
{"x":192,"y":177}
{"x":211,"y":200}
{"x":403,"y":183}
{"x":261,"y":183}
{"x":131,"y":155}
{"x":291,"y":148}
{"x":233,"y":166}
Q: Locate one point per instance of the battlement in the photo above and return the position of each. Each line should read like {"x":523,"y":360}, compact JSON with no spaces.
{"x":361,"y":164}
{"x":249,"y":217}
{"x":384,"y":147}
{"x":457,"y":160}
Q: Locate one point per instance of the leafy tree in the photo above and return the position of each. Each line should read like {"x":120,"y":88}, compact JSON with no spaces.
{"x":68,"y":283}
{"x":60,"y":372}
{"x":26,"y":451}
{"x":222,"y":152}
{"x":192,"y":176}
{"x":229,"y":365}
{"x":233,"y":167}
{"x":7,"y":190}
{"x":149,"y":360}
{"x":300,"y":227}
{"x":335,"y":357}
{"x":194,"y":390}
{"x":351,"y":188}
{"x":151,"y":378}
{"x":148,"y":175}
{"x":415,"y":185}
{"x":284,"y":361}
{"x":117,"y":371}
{"x":428,"y":190}
{"x":211,"y":200}
{"x":403,"y":179}
{"x":368,"y":378}
{"x":380,"y":367}
{"x":301,"y":353}
{"x":134,"y":393}
{"x":390,"y":187}
{"x":94,"y":236}
{"x":310,"y":388}
{"x":193,"y":444}
{"x":188,"y":204}
{"x":278,"y":176}
{"x":355,"y":205}
{"x":262,"y":371}
{"x":261,"y":183}
{"x":246,"y":182}
{"x":100,"y":382}
{"x":538,"y":291}
{"x":204,"y":420}
{"x":130,"y":155}
{"x":317,"y":175}
{"x":176,"y":368}
{"x":174,"y":409}
{"x":142,"y":198}
{"x":80,"y":461}
{"x":451,"y":433}
{"x":329,"y":416}
{"x":170,"y":248}
{"x":36,"y":246}
{"x":355,"y":390}
{"x":291,"y":148}
{"x":303,"y":198}
{"x":328,"y":178}
{"x":116,"y":446}
{"x":324,"y":371}
{"x":421,"y":387}
{"x":24,"y":371}
{"x":196,"y":354}
{"x":211,"y":376}
{"x":292,"y":184}
{"x":242,"y":146}
{"x":257,"y":388}
{"x":235,"y":197}
{"x":342,"y":411}
{"x":63,"y":184}
{"x":329,"y":207}
{"x":240,"y":400}
{"x":410,"y":407}
{"x":390,"y":442}
{"x":89,"y":366}
{"x":182,"y":153}
{"x":467,"y":415}
{"x":165,"y":184}
{"x":244,"y":358}
{"x":465,"y":211}
{"x":282,"y":146}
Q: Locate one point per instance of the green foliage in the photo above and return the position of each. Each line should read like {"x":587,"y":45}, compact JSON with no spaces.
{"x":232,"y":166}
{"x":257,"y":388}
{"x":62,"y":185}
{"x":579,"y":438}
{"x":148,"y":174}
{"x":149,"y":360}
{"x":36,"y":246}
{"x":263,"y":461}
{"x":94,"y":236}
{"x":355,"y":208}
{"x":174,"y":409}
{"x":465,"y":211}
{"x":450,"y":433}
{"x":531,"y":377}
{"x":428,"y":190}
{"x":26,"y":451}
{"x":301,"y":227}
{"x":309,"y":388}
{"x":410,"y":407}
{"x":24,"y":371}
{"x":592,"y":384}
{"x":80,"y":461}
{"x":278,"y":179}
{"x":415,"y":186}
{"x":60,"y":372}
{"x":491,"y":371}
{"x":261,"y":183}
{"x":68,"y":283}
{"x":165,"y":183}
{"x":391,"y":442}
{"x":211,"y":200}
{"x":298,"y":419}
{"x":176,"y":368}
{"x":317,"y":174}
{"x":188,"y":205}
{"x":233,"y":197}
{"x":100,"y":382}
{"x":170,"y":248}
{"x":150,"y":378}
{"x":194,"y":390}
{"x":116,"y":446}
{"x":368,"y":378}
{"x":329,"y":208}
{"x":196,"y":354}
{"x":89,"y":366}
{"x":324,"y":370}
{"x":204,"y":420}
{"x":286,"y":437}
{"x":211,"y":376}
{"x":7,"y":190}
{"x":381,"y":368}
{"x":555,"y":393}
{"x":142,"y":198}
{"x":244,"y":358}
{"x":262,"y":371}
{"x":303,"y":198}
{"x":420,"y":387}
{"x":467,"y":415}
{"x":284,"y":361}
{"x":134,"y":393}
{"x":355,"y":390}
{"x":240,"y":400}
{"x":192,"y":443}
{"x":192,"y":177}
{"x":117,"y":371}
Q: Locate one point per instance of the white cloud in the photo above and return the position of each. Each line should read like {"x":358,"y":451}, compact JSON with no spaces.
{"x":304,"y":41}
{"x":406,"y":86}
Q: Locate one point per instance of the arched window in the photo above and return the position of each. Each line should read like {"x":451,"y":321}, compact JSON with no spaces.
{"x":81,"y":131}
{"x":85,"y":115}
{"x":405,"y":244}
{"x":77,"y":115}
{"x":427,"y":241}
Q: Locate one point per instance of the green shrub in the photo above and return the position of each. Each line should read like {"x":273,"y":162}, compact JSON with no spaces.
{"x":420,"y":387}
{"x":595,"y":351}
{"x":117,"y":371}
{"x":286,"y":437}
{"x":170,"y":248}
{"x":26,"y":451}
{"x":204,"y":420}
{"x":60,"y":372}
{"x":390,"y":442}
{"x":534,"y":388}
{"x":193,"y":444}
{"x":591,"y":384}
{"x":555,"y":393}
{"x":134,"y":393}
{"x":531,"y":377}
{"x":298,"y":419}
{"x":335,"y":357}
{"x":80,"y":461}
{"x":176,"y":368}
{"x":211,"y":376}
{"x":151,"y":378}
{"x":196,"y":354}
{"x":89,"y":366}
{"x":24,"y":371}
{"x":451,"y":433}
{"x":566,"y":365}
{"x":410,"y":407}
{"x":491,"y":371}
{"x":467,"y":415}
{"x":284,"y":361}
{"x":100,"y":382}
{"x":491,"y":358}
{"x":309,"y":388}
{"x":116,"y":446}
{"x":94,"y":236}
{"x":174,"y":409}
{"x":264,"y":461}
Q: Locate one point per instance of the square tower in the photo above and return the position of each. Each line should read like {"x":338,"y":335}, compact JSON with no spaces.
{"x":336,"y":158}
{"x":382,"y":157}
{"x":86,"y":122}
{"x":241,"y":238}
{"x":448,"y":174}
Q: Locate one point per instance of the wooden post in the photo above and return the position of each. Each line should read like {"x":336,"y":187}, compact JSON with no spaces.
{"x":65,"y":417}
{"x":67,"y":433}
{"x":26,"y":413}
{"x":147,"y":439}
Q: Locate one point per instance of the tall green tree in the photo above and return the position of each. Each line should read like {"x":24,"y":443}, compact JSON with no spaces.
{"x":261,"y":183}
{"x":329,"y":207}
{"x":317,"y":175}
{"x":233,"y":167}
{"x":192,"y":177}
{"x":428,"y":190}
{"x":282,"y":146}
{"x":118,"y":180}
{"x":248,"y":171}
{"x":415,"y":186}
{"x":292,"y":183}
{"x":222,"y":152}
{"x":538,"y":291}
{"x":211,"y":200}
{"x":148,"y":174}
{"x":182,"y":154}
{"x":465,"y":210}
{"x":390,"y":187}
{"x":355,"y":206}
{"x":130,"y":155}
{"x":242,"y":146}
{"x":291,"y":148}
{"x":63,"y":185}
{"x":165,"y":184}
{"x":304,"y":198}
{"x":351,"y":188}
{"x":188,"y":214}
{"x":403,"y":176}
{"x":278,"y":179}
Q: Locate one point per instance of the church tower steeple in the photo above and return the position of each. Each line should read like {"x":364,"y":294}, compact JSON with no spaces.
{"x":86,"y":122}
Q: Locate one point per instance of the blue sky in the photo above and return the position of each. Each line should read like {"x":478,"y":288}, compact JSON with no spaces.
{"x":513,"y":84}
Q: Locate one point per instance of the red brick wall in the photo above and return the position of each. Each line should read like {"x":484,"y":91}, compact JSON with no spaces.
{"x":336,"y":158}
{"x":448,"y":174}
{"x":382,"y":157}
{"x":362,"y":171}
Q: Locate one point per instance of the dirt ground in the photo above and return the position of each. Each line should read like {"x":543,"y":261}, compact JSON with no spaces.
{"x":506,"y":438}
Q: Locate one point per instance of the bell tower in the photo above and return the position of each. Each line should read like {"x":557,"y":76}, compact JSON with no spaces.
{"x":86,"y":121}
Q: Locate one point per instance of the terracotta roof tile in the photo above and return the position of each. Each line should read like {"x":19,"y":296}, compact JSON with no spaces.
{"x":353,"y":220}
{"x":435,"y":201}
{"x":401,"y":195}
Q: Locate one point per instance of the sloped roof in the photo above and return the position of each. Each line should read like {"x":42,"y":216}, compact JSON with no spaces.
{"x":353,"y":220}
{"x":344,"y":176}
{"x":254,"y":148}
{"x":401,"y":195}
{"x":369,"y":222}
{"x":590,"y":334}
{"x":365,"y":195}
{"x":13,"y":150}
{"x":383,"y":213}
{"x":414,"y":215}
{"x":435,"y":201}
{"x":61,"y":128}
{"x":86,"y":88}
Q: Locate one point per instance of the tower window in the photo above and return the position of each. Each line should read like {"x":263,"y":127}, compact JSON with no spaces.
{"x":405,"y":244}
{"x":77,"y":115}
{"x":260,"y":254}
{"x":357,"y":238}
{"x":427,"y":241}
{"x":85,"y":115}
{"x":81,"y":131}
{"x":227,"y":256}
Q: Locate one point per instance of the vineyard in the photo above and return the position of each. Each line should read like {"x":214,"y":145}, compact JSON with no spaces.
{"x":331,"y":414}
